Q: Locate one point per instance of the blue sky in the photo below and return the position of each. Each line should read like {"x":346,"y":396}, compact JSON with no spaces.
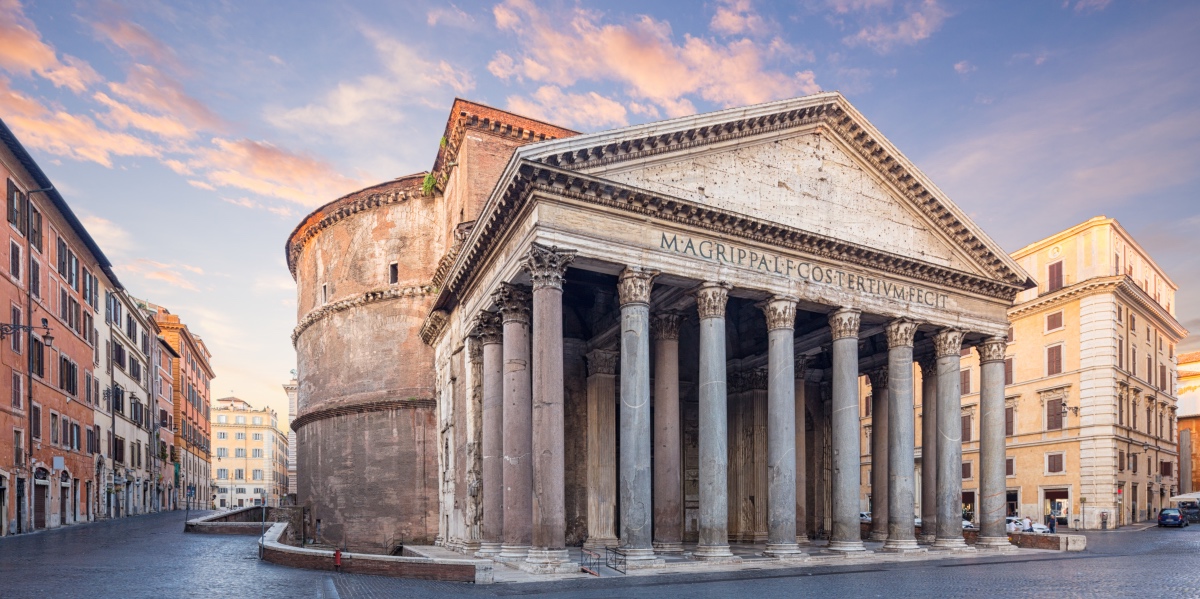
{"x":193,"y":137}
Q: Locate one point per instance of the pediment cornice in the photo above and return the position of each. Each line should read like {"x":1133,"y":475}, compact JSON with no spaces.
{"x":532,"y":178}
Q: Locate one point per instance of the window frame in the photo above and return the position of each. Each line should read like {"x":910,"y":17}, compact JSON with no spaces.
{"x":1062,"y":455}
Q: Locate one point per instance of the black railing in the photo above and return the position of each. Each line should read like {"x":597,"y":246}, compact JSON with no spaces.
{"x":615,"y":558}
{"x":589,"y":561}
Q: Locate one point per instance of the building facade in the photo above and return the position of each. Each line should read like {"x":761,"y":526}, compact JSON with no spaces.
{"x":135,"y":444}
{"x":1188,"y":388}
{"x":191,"y":377}
{"x":737,"y":271}
{"x":162,"y":389}
{"x":250,"y":455}
{"x":291,"y":388}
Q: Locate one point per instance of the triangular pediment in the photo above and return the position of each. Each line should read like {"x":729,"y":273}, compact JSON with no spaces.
{"x":812,"y":163}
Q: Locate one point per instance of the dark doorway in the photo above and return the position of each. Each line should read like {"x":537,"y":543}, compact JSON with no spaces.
{"x":1056,"y":505}
{"x":20,"y":505}
{"x":39,"y":505}
{"x":968,"y":506}
{"x":1012,"y":504}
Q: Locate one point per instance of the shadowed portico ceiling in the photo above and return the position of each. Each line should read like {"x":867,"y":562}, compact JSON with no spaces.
{"x":559,"y":167}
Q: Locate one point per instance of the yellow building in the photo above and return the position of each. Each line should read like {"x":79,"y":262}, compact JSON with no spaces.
{"x":250,"y":454}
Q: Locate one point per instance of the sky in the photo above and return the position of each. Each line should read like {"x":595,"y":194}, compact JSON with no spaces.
{"x":191,"y":137}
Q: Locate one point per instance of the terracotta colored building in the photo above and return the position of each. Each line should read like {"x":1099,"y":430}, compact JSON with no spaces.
{"x":53,"y":274}
{"x":191,"y":375}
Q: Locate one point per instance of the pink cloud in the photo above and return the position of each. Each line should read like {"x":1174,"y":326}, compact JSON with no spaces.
{"x":268,"y":170}
{"x":735,"y":17}
{"x":22,"y":52}
{"x":121,"y":116}
{"x":920,"y":22}
{"x":561,"y":49}
{"x":173,"y":274}
{"x":151,"y":88}
{"x":137,"y":42}
{"x":589,"y":110}
{"x":1089,"y":5}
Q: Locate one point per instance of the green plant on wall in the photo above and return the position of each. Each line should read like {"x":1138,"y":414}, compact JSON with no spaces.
{"x":428,"y":184}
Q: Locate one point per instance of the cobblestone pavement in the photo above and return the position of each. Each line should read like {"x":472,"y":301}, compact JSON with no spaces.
{"x":149,"y":556}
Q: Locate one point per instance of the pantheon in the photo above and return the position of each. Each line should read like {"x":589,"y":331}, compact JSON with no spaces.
{"x":649,"y":338}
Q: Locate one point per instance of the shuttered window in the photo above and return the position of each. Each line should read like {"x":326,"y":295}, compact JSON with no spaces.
{"x":1054,"y":463}
{"x":1010,"y":467}
{"x":966,"y":429}
{"x":1008,"y":371}
{"x":964,"y":384}
{"x":1054,"y":321}
{"x":1008,"y":421}
{"x":1054,"y":415}
{"x":1166,"y":468}
{"x":966,"y":470}
{"x":1120,"y":461}
{"x":1054,"y":360}
{"x":1056,"y":276}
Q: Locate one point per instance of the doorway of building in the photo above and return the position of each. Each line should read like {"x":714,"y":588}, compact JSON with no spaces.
{"x":968,"y":506}
{"x":1055,"y":506}
{"x":1133,"y":512}
{"x":1012,"y":503}
{"x":20,"y":505}
{"x":63,"y":495}
{"x":3,"y":506}
{"x":39,"y":505}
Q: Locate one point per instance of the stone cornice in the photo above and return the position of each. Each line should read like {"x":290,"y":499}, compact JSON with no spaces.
{"x":1113,"y":284}
{"x":434,"y":325}
{"x":532,"y":178}
{"x":830,"y":114}
{"x":374,"y":406}
{"x":391,"y":192}
{"x":362,"y":299}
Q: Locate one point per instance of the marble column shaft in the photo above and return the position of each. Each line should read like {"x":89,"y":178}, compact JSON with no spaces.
{"x":901,"y":438}
{"x":488,"y":327}
{"x":668,"y":478}
{"x":634,"y":476}
{"x":800,"y":370}
{"x":929,"y":443}
{"x":992,"y":487}
{"x":711,"y":299}
{"x":845,"y":432}
{"x":781,"y":427}
{"x":546,"y":267}
{"x":518,"y":423}
{"x":948,"y":343}
{"x":602,"y":448}
{"x":879,"y":453}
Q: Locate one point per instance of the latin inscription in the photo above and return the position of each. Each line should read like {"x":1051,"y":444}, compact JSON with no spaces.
{"x":733,"y":255}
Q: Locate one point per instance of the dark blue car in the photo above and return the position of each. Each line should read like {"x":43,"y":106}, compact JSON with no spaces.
{"x":1172,"y":517}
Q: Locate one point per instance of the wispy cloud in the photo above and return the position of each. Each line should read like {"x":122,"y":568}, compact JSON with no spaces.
{"x":116,"y":242}
{"x":1088,"y":5}
{"x":563,"y":48}
{"x":450,"y":16}
{"x":737,"y":17}
{"x":588,"y":110}
{"x":963,"y":67}
{"x":23,"y":52}
{"x":181,"y":276}
{"x":919,"y":22}
{"x":268,"y":170}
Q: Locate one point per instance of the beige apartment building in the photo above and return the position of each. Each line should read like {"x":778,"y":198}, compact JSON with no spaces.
{"x":1090,"y":388}
{"x":250,"y":454}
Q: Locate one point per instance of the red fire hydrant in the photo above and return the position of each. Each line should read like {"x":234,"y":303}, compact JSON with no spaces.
{"x":337,"y":560}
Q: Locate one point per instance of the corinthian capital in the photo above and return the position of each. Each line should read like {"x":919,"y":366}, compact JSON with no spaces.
{"x":992,"y":350}
{"x":900,"y":332}
{"x":634,"y":285}
{"x":879,"y":378}
{"x":602,"y":361}
{"x":928,"y":365}
{"x":513,"y":301}
{"x":665,"y":325}
{"x":547,"y":265}
{"x":948,"y":342}
{"x":711,"y":299}
{"x":487,"y":328}
{"x":801,"y":368}
{"x":780,"y":312}
{"x":844,"y":323}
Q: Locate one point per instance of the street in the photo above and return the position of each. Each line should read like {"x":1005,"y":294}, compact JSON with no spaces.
{"x":149,"y":556}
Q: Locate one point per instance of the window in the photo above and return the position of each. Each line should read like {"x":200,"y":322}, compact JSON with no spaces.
{"x":966,"y":428}
{"x":258,"y":474}
{"x":222,"y":474}
{"x":15,"y":200}
{"x":91,"y":440}
{"x":240,"y":436}
{"x":1054,"y":360}
{"x":966,"y":470}
{"x":68,"y":376}
{"x":1120,"y":313}
{"x":1010,"y":466}
{"x":1165,"y":468}
{"x":1121,"y":411}
{"x":15,"y":337}
{"x":1054,"y":321}
{"x":222,"y":452}
{"x":1054,"y":416}
{"x":239,"y":420}
{"x":35,"y":415}
{"x":1054,"y":463}
{"x":964,"y":381}
{"x":1162,"y":377}
{"x":221,"y":420}
{"x":239,"y":474}
{"x":257,"y":436}
{"x":35,"y":278}
{"x":14,"y":259}
{"x":222,"y":435}
{"x":18,"y":448}
{"x":324,"y":293}
{"x":1009,"y":413}
{"x":1133,"y":358}
{"x":239,"y":452}
{"x":1010,"y":335}
{"x":17,"y":389}
{"x":53,"y":428}
{"x":256,"y":420}
{"x":393,"y":273}
{"x":256,"y":453}
{"x":1120,"y":461}
{"x":119,"y":450}
{"x":1008,"y":371}
{"x":1121,"y":353}
{"x":1055,"y":273}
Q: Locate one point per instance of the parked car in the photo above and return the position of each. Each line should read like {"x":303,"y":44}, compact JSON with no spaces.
{"x":1172,"y":517}
{"x":968,"y":524}
{"x":864,"y":517}
{"x":1016,"y":524}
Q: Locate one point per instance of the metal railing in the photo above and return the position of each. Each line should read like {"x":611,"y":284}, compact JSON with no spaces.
{"x":615,"y":558}
{"x":589,"y":561}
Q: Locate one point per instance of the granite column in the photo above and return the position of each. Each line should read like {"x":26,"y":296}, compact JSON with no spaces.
{"x":992,"y":488}
{"x":879,"y":453}
{"x":780,"y":313}
{"x":518,"y":424}
{"x":668,"y":478}
{"x":487,"y":327}
{"x":929,"y":443}
{"x":711,"y":298}
{"x":901,"y":438}
{"x":948,"y":344}
{"x":602,"y":448}
{"x":844,"y":430}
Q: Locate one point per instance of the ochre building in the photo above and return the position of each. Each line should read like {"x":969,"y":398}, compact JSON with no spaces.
{"x":650,"y":337}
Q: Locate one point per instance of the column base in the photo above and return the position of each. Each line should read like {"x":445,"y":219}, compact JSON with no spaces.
{"x":878,"y":535}
{"x":668,"y":547}
{"x":470,"y":547}
{"x":488,"y":549}
{"x":549,"y":561}
{"x":994,"y":544}
{"x":846,"y":546}
{"x":952,"y":544}
{"x":719,"y":554}
{"x":902,"y":546}
{"x":594,"y":543}
{"x":802,"y":539}
{"x":783,"y":551}
{"x":926,"y":539}
{"x":642,"y":558}
{"x":512,"y":553}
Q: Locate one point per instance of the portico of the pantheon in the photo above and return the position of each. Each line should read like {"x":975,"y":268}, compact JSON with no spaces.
{"x":711,"y":288}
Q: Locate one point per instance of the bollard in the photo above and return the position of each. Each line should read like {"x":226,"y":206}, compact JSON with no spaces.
{"x":337,"y":560}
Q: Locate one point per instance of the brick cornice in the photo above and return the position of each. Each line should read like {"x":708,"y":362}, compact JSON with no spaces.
{"x":360,"y":408}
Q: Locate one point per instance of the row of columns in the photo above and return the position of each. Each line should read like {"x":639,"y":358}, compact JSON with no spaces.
{"x":523,"y":470}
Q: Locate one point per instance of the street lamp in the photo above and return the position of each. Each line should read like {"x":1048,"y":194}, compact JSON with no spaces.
{"x":10,"y":329}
